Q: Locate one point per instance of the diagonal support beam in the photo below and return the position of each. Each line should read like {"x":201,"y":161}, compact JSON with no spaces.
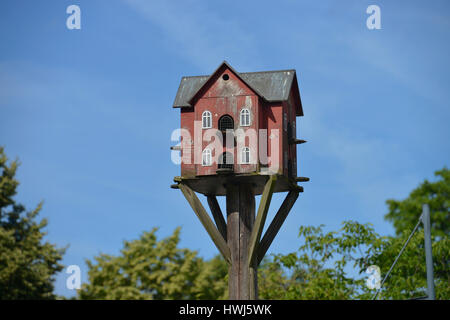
{"x":260,"y":218}
{"x":206,"y":221}
{"x":276,"y":224}
{"x":218,"y":216}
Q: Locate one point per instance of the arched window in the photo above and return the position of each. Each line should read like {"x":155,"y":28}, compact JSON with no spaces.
{"x":226,"y":122}
{"x":206,"y":120}
{"x":245,"y":117}
{"x":206,"y":157}
{"x":245,"y":155}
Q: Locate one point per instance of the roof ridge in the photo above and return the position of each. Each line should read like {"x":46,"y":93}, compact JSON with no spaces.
{"x":251,"y":72}
{"x":269,"y":71}
{"x":195,"y":76}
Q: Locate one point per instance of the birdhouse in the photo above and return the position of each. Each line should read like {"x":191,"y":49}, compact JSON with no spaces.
{"x":240,"y":125}
{"x":238,"y":140}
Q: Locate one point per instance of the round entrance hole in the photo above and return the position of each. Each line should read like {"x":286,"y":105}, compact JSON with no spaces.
{"x":225,"y":77}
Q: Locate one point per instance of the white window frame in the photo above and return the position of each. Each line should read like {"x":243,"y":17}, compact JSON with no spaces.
{"x":245,"y":116}
{"x":244,"y":152}
{"x":206,"y":158}
{"x":206,"y":119}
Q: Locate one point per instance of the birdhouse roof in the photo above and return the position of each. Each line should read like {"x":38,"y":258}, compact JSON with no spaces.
{"x":272,"y":86}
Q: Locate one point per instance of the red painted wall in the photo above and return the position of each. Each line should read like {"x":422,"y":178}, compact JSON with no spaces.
{"x":228,"y":97}
{"x":274,"y":118}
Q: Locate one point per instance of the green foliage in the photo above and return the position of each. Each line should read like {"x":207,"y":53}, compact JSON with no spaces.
{"x":318,"y":269}
{"x":332,"y":266}
{"x":150,"y":269}
{"x":405,"y":214}
{"x":409,"y":278}
{"x":27,"y":263}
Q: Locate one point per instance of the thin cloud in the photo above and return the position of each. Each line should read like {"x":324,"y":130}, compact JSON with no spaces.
{"x":397,"y":64}
{"x":199,"y":35}
{"x":365,"y":166}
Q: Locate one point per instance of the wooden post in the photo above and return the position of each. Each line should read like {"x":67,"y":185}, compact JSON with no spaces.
{"x":276,"y":224}
{"x":242,"y":279}
{"x":218,"y":216}
{"x":264,"y":204}
{"x":238,"y":239}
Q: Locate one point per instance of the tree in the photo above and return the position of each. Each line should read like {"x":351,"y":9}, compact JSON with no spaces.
{"x":318,"y":269}
{"x":404,"y":214}
{"x":150,"y":269}
{"x":408,"y":279}
{"x":332,"y":265}
{"x":27,"y":263}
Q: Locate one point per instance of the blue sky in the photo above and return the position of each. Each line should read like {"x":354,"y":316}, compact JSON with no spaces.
{"x":88,"y":112}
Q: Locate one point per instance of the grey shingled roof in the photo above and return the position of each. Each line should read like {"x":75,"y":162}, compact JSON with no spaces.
{"x":272,"y":85}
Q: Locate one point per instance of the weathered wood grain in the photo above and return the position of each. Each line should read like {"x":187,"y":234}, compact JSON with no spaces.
{"x":218,"y":216}
{"x":276,"y":224}
{"x":260,"y":219}
{"x":206,"y":221}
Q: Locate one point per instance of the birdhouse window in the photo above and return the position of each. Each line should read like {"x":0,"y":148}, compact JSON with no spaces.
{"x":245,"y":156}
{"x":226,"y":122}
{"x":206,"y":120}
{"x":245,"y":117}
{"x":206,"y":157}
{"x":226,"y":161}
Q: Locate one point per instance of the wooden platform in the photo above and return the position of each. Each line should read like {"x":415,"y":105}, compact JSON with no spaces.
{"x":215,"y":185}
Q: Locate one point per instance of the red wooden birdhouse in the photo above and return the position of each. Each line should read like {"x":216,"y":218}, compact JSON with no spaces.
{"x":238,"y":124}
